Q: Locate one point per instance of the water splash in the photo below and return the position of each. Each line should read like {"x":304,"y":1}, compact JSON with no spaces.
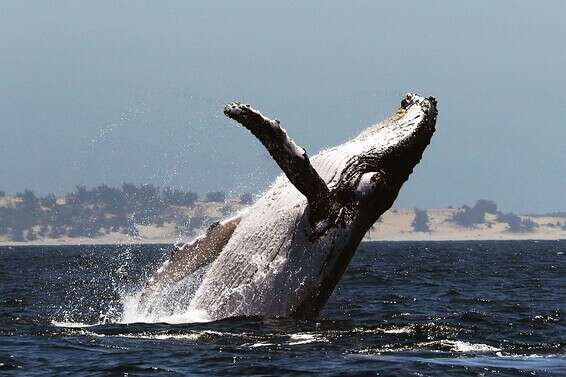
{"x":170,"y":304}
{"x":114,"y":292}
{"x":133,"y":313}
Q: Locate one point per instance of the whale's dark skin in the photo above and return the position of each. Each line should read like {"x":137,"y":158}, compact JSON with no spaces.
{"x":284,"y":255}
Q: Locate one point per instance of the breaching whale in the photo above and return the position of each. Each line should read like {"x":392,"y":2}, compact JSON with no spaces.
{"x":284,"y":255}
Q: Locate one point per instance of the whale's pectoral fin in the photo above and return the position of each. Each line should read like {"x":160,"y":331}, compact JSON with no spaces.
{"x":187,"y":258}
{"x":291,"y":158}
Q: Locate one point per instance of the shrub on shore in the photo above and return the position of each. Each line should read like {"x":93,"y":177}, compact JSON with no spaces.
{"x":91,"y":212}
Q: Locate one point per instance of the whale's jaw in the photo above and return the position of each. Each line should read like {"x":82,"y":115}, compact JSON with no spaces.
{"x":285,"y":254}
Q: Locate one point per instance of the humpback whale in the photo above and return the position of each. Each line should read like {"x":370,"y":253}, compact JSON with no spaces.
{"x":284,"y":255}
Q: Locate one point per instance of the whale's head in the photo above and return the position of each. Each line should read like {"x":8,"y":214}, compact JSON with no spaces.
{"x":383,"y":156}
{"x":367,"y":173}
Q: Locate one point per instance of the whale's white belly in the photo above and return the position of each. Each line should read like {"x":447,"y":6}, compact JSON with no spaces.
{"x":269,"y":265}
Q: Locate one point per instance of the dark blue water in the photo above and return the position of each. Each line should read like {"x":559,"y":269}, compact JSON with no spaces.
{"x":408,"y":308}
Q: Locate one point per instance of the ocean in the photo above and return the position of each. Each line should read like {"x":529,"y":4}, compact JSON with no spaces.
{"x":402,"y":308}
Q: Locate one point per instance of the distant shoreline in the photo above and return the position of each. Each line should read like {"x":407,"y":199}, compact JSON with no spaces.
{"x":130,"y":215}
{"x":182,"y":223}
{"x":409,"y":238}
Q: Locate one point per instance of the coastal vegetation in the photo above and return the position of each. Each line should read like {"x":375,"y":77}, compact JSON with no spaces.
{"x":421,"y":221}
{"x":130,"y":210}
{"x":100,"y":210}
{"x":471,"y":216}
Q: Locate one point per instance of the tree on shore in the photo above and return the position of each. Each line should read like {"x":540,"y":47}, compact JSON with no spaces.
{"x":216,"y":197}
{"x":469,"y":217}
{"x":178,"y":197}
{"x":90,"y":212}
{"x":29,"y":202}
{"x":17,"y":234}
{"x":515,"y":223}
{"x":421,"y":221}
{"x":48,"y":201}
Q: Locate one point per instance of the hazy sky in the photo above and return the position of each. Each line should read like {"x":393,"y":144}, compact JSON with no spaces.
{"x":112,"y":91}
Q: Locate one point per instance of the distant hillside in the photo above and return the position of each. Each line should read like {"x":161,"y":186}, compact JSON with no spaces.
{"x":146,"y":213}
{"x":104,"y":210}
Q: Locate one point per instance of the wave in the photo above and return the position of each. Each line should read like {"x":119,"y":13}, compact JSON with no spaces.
{"x":548,"y":363}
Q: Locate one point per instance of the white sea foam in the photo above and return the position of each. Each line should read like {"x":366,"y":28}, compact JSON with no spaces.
{"x":74,"y":325}
{"x":393,"y":330}
{"x":305,"y":338}
{"x":398,"y":330}
{"x":461,"y":346}
{"x":261,"y":344}
{"x":192,"y":337}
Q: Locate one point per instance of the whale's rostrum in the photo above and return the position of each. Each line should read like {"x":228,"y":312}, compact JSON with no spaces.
{"x":284,"y":255}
